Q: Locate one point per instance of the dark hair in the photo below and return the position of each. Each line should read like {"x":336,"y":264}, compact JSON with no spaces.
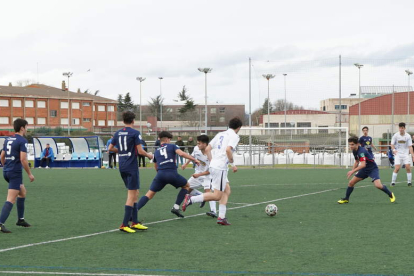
{"x":203,"y":139}
{"x":165,"y":134}
{"x":365,"y":127}
{"x":353,"y":139}
{"x":18,"y":124}
{"x":401,"y":124}
{"x":128,"y":117}
{"x":235,"y":123}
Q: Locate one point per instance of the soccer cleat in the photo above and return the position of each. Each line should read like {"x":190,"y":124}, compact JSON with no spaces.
{"x":3,"y":229}
{"x":126,"y":229}
{"x":202,"y":204}
{"x":23,"y":223}
{"x":343,"y":200}
{"x":211,"y":214}
{"x":392,"y":184}
{"x":223,"y":221}
{"x":392,"y":199}
{"x":187,"y":201}
{"x":138,"y":226}
{"x":177,"y":212}
{"x":410,"y":185}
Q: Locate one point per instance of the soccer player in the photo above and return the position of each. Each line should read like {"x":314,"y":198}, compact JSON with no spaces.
{"x":366,"y":141}
{"x":401,"y":145}
{"x":220,"y":151}
{"x":127,"y":143}
{"x":164,"y":162}
{"x":364,"y":167}
{"x":13,"y":158}
{"x":201,"y":177}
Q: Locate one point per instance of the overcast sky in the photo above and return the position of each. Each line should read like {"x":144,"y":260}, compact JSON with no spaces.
{"x":121,"y":40}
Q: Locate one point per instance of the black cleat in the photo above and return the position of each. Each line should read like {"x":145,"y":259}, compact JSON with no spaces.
{"x":410,"y":185}
{"x":211,"y":214}
{"x":393,"y":184}
{"x":202,"y":204}
{"x":23,"y":223}
{"x":177,"y":212}
{"x":3,"y":229}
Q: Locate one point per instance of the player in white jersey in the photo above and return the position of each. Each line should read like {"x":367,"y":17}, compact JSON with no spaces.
{"x":220,"y":152}
{"x":401,"y":145}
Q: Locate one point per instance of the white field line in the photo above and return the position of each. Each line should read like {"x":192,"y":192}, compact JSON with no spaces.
{"x":69,"y":273}
{"x":299,"y":184}
{"x":166,"y":220}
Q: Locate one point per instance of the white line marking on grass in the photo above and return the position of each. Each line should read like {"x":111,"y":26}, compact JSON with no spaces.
{"x":167,"y":220}
{"x":70,"y":273}
{"x":237,"y":203}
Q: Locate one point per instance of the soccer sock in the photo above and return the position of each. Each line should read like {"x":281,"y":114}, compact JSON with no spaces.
{"x":213,"y":206}
{"x":199,"y":198}
{"x":195,"y":192}
{"x":127,"y":215}
{"x":394,"y":177}
{"x":222,"y":211}
{"x":135,"y":213}
{"x":385,"y":190}
{"x":349,"y":192}
{"x":409,"y":177}
{"x":176,"y":206}
{"x":20,"y":207}
{"x":142,"y":201}
{"x":5,"y":212}
{"x":180,"y":196}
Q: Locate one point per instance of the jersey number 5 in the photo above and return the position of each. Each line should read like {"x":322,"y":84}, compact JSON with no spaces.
{"x":9,"y":147}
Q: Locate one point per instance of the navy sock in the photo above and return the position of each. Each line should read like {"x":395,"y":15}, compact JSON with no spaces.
{"x":135,"y":213}
{"x":349,"y":192}
{"x":20,"y":207}
{"x":5,"y":212}
{"x":142,"y":201}
{"x":128,"y":214}
{"x":385,"y":190}
{"x":181,"y":196}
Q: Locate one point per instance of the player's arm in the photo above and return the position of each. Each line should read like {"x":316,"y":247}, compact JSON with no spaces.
{"x":186,"y":164}
{"x":25,"y":164}
{"x":411,"y":150}
{"x":112,"y":148}
{"x":229,"y":153}
{"x":3,"y":157}
{"x":358,"y":165}
{"x":186,"y":156}
{"x":393,"y":140}
{"x":208,"y":152}
{"x":375,"y":148}
{"x":141,"y":151}
{"x":156,"y":166}
{"x":196,"y":175}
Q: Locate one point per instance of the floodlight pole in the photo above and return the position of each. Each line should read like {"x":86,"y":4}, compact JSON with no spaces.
{"x":359,"y":97}
{"x":205,"y":71}
{"x":68,"y":74}
{"x":140,"y":79}
{"x":284,"y":75}
{"x":250,"y":111}
{"x":160,"y":102}
{"x":408,"y":103}
{"x":268,"y":77}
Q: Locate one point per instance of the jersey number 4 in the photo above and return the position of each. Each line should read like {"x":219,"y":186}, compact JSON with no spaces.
{"x":163,"y":151}
{"x":125,"y":143}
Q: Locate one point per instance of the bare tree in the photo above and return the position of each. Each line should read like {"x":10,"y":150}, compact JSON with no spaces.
{"x":25,"y":82}
{"x":279,"y":105}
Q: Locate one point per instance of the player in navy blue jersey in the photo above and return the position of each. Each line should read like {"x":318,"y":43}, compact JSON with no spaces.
{"x":13,"y":158}
{"x":127,"y":143}
{"x":164,"y":159}
{"x":366,"y":141}
{"x":364,"y":167}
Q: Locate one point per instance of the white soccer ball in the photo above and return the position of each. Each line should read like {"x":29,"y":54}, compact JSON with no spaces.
{"x":271,"y":210}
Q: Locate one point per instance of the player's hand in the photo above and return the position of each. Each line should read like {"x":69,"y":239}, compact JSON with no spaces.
{"x":31,"y":177}
{"x":234,"y":169}
{"x":394,"y":152}
{"x":349,"y":174}
{"x":196,"y":175}
{"x":150,"y":156}
{"x":183,"y":167}
{"x":197,"y":162}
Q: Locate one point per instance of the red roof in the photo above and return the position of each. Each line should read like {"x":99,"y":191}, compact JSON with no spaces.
{"x":298,"y":111}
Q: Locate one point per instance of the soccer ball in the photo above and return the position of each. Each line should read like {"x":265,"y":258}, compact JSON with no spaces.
{"x":271,"y":210}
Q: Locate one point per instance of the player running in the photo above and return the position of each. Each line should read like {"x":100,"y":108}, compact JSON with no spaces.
{"x":164,"y":162}
{"x":364,"y":167}
{"x":13,"y":158}
{"x":220,"y":150}
{"x":127,"y":143}
{"x":401,"y":145}
{"x":366,"y":141}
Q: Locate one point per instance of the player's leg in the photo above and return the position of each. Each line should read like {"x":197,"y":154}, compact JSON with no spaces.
{"x":181,"y":183}
{"x":223,"y":206}
{"x":207,"y":189}
{"x":354,"y":180}
{"x":114,"y":155}
{"x":408,"y":169}
{"x":7,"y":207}
{"x":397,"y":167}
{"x":20,"y":203}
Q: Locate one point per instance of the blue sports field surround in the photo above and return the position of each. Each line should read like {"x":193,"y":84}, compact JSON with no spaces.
{"x":366,"y":142}
{"x":371,"y":168}
{"x":127,"y":140}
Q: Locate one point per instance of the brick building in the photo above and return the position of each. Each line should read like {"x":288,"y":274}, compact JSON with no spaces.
{"x":46,"y":106}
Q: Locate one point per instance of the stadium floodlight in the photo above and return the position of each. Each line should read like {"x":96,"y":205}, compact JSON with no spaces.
{"x":409,"y":73}
{"x":68,"y":74}
{"x":140,"y":79}
{"x":161,"y":78}
{"x":359,"y":66}
{"x":205,"y":71}
{"x":268,"y":77}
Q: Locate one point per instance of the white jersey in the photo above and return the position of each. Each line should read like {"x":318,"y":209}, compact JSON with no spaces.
{"x":219,"y":144}
{"x":204,"y":162}
{"x":402,"y":143}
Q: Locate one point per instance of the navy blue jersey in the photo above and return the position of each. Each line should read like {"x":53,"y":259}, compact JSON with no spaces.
{"x":361,"y":154}
{"x":366,"y":142}
{"x":127,"y":140}
{"x":165,"y":157}
{"x":12,"y":147}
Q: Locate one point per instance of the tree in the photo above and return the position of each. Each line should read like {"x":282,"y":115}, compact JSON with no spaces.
{"x":182,"y":95}
{"x":120,"y":103}
{"x":279,"y":105}
{"x":87,"y":91}
{"x":128,"y":103}
{"x":256,"y":116}
{"x":25,"y":82}
{"x":155,"y":106}
{"x":265,"y":108}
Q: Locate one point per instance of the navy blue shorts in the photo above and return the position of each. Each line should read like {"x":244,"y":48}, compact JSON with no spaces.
{"x":165,"y":177}
{"x":365,"y":173}
{"x":15,"y":179}
{"x":131,"y":180}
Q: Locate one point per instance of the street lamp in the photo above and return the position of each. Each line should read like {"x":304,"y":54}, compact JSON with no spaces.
{"x":359,"y":97}
{"x":284,"y":75}
{"x":408,"y":103}
{"x":68,"y":74}
{"x":268,"y":77}
{"x":160,"y":102}
{"x":140,"y":79}
{"x":205,"y":71}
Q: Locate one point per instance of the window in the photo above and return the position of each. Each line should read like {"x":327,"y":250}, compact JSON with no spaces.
{"x":110,"y":122}
{"x":324,"y":108}
{"x":222,"y":119}
{"x":41,"y":121}
{"x":203,"y":110}
{"x":30,"y":120}
{"x":41,"y":104}
{"x":169,"y":110}
{"x":29,"y":104}
{"x":4,"y":120}
{"x":4,"y":103}
{"x":86,"y":120}
{"x":213,"y":110}
{"x":53,"y":113}
{"x":17,"y":103}
{"x":222,"y":109}
{"x":213,"y":118}
{"x":111,"y":108}
{"x":272,"y":125}
{"x":287,"y":124}
{"x":101,"y":108}
{"x":15,"y":118}
{"x":343,"y":106}
{"x":64,"y":105}
{"x":93,"y":107}
{"x":75,"y":105}
{"x":323,"y":130}
{"x":101,"y":122}
{"x":86,"y":104}
{"x":75,"y":121}
{"x":307,"y":124}
{"x":64,"y":121}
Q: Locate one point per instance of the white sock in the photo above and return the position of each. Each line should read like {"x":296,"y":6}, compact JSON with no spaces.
{"x":394,"y":177}
{"x":198,"y":198}
{"x":222,"y":211}
{"x":195,"y":192}
{"x":176,"y":206}
{"x":213,"y":206}
{"x":409,"y":177}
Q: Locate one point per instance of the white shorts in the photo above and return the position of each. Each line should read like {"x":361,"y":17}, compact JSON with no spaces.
{"x":219,"y":179}
{"x":402,"y":159}
{"x":203,"y":181}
